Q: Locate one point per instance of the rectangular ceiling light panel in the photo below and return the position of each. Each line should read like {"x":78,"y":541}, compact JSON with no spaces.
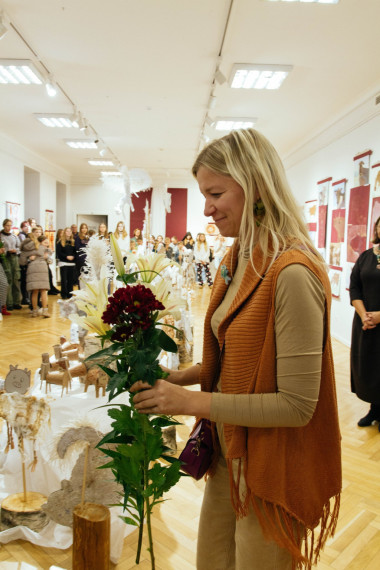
{"x":81,"y":143}
{"x":57,"y":120}
{"x":230,"y":124}
{"x":252,"y":76}
{"x":308,"y":1}
{"x":96,"y":162}
{"x":19,"y":72}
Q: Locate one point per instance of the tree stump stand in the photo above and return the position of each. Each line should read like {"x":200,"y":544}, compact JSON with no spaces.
{"x":16,"y":511}
{"x":91,"y":537}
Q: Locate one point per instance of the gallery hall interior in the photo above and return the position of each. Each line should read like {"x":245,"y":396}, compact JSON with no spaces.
{"x":135,"y":176}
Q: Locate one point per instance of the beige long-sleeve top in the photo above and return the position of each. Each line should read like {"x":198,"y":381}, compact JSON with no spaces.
{"x":299,"y":324}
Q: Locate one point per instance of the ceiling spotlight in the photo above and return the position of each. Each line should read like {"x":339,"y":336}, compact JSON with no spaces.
{"x":82,"y":123}
{"x":220,"y":77}
{"x":209,"y":121}
{"x":3,"y":25}
{"x":51,"y":88}
{"x":102,"y":147}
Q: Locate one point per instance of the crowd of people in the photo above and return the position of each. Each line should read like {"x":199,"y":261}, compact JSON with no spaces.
{"x":25,"y":273}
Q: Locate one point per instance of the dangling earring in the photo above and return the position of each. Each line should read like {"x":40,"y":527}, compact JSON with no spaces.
{"x":259,"y":211}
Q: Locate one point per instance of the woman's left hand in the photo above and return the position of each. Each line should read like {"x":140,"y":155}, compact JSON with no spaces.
{"x":162,"y":398}
{"x":373,"y":317}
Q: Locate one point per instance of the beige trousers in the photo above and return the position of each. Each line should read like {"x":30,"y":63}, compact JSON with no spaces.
{"x":225,"y":543}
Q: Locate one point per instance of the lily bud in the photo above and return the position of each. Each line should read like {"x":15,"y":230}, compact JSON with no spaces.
{"x":117,"y":256}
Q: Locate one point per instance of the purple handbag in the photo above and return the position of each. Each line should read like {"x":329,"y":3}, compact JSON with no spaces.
{"x":197,"y":453}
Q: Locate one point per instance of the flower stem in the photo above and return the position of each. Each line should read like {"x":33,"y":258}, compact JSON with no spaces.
{"x":150,"y":536}
{"x":139,"y":544}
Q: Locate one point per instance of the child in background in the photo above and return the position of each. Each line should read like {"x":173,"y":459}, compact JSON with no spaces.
{"x":140,"y":250}
{"x":37,"y":276}
{"x":202,"y":259}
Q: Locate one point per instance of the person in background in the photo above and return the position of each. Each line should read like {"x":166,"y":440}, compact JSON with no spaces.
{"x":219,"y":249}
{"x":11,"y":266}
{"x":202,"y":260}
{"x":365,"y":341}
{"x":25,"y":231}
{"x":121,"y":235}
{"x":174,"y":247}
{"x":58,"y":237}
{"x":267,"y":376}
{"x":160,"y":246}
{"x":32,"y":223}
{"x":140,"y":249}
{"x":188,"y":241}
{"x":3,"y":283}
{"x":136,"y":235}
{"x":37,"y":279}
{"x":65,"y":252}
{"x":80,"y":242}
{"x":102,"y":231}
{"x":91,"y":233}
{"x":74,"y":230}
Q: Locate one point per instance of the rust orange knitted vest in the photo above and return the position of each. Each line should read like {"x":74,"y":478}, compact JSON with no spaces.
{"x":296,"y":471}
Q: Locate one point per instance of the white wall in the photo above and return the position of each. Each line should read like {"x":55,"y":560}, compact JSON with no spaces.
{"x":336,"y":160}
{"x":14,"y":160}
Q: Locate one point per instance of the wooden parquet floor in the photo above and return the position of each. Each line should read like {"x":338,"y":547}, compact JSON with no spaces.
{"x":356,"y":545}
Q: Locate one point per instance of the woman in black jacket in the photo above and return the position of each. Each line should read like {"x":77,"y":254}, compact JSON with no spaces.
{"x":65,"y":253}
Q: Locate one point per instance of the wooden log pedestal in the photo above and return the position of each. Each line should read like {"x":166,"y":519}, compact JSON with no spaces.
{"x":24,"y":509}
{"x":91,"y":537}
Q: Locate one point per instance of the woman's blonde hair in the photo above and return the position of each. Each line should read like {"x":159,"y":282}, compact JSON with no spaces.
{"x":123,"y":234}
{"x":199,"y":243}
{"x":63,"y":239}
{"x":251,"y":160}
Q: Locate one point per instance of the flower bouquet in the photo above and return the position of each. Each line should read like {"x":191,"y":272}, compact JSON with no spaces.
{"x":128,"y":323}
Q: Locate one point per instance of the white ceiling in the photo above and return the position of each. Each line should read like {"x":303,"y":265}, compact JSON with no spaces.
{"x":141,"y":72}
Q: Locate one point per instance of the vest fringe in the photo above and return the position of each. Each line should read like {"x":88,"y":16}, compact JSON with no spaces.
{"x":304,"y":544}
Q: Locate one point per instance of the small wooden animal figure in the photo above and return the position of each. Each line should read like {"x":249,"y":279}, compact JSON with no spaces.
{"x":60,"y":377}
{"x":98,"y":378}
{"x":17,"y":380}
{"x":70,"y":354}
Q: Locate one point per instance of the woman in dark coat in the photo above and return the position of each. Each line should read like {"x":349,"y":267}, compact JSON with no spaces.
{"x":80,"y":242}
{"x":65,"y":252}
{"x":365,"y":342}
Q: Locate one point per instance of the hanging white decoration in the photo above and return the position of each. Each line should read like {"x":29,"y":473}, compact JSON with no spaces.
{"x":130,"y":182}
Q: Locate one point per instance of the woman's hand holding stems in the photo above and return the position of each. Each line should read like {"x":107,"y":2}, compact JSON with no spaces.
{"x":169,"y":396}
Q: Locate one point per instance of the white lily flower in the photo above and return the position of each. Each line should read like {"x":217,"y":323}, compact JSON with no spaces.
{"x":92,"y":300}
{"x":117,"y":255}
{"x":172,"y":301}
{"x":148,"y":264}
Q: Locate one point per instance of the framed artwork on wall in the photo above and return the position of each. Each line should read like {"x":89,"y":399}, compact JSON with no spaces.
{"x":361,"y":168}
{"x":13,"y":212}
{"x":323,"y":198}
{"x":335,"y":276}
{"x":376,"y":179}
{"x":49,"y":220}
{"x":311,"y":218}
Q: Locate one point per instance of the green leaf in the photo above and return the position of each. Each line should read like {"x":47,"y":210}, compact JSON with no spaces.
{"x":107,"y":370}
{"x":164,"y":421}
{"x":115,"y":347}
{"x":167,"y":343}
{"x":128,"y":520}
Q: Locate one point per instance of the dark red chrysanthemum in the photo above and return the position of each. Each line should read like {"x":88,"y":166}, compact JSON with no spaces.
{"x":131,"y":307}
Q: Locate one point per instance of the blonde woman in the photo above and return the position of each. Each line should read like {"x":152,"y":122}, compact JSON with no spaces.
{"x":65,"y":252}
{"x":121,"y":235}
{"x":103,"y":231}
{"x":202,"y":260}
{"x":267,"y":376}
